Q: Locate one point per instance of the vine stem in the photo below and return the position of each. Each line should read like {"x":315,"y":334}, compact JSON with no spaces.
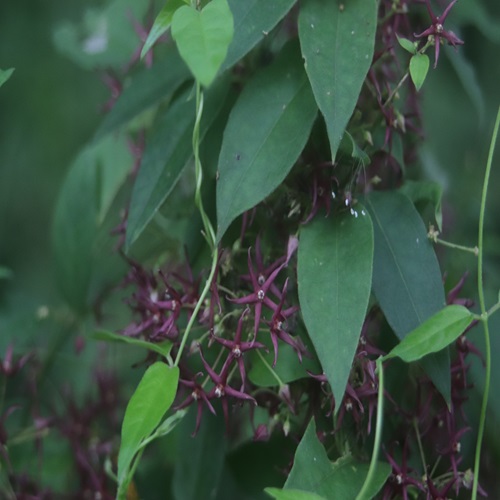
{"x":363,"y":494}
{"x":484,"y":314}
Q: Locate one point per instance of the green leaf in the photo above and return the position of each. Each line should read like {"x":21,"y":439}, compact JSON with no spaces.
{"x":337,"y":41}
{"x":434,"y":334}
{"x":425,"y":192}
{"x":334,"y":279}
{"x":167,"y":153}
{"x":146,"y":89}
{"x":266,"y":131}
{"x":161,"y":24}
{"x":152,"y":398}
{"x":162,"y":348}
{"x":203,"y":37}
{"x":407,"y":44}
{"x":170,"y":423}
{"x":253,"y":20}
{"x":5,"y":74}
{"x":419,"y":65}
{"x":5,"y":273}
{"x":406,"y":276}
{"x":292,"y":494}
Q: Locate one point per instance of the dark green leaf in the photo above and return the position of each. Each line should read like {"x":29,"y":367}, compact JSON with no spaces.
{"x":106,"y":336}
{"x":203,"y":37}
{"x":419,"y":66}
{"x":337,"y":41}
{"x":5,"y":74}
{"x":166,"y":155}
{"x":152,"y":398}
{"x":267,"y":129}
{"x":407,"y":44}
{"x":434,"y":334}
{"x":292,"y":494}
{"x":406,"y":278}
{"x":425,"y":192}
{"x":334,"y":277}
{"x":161,"y":24}
{"x":146,"y":89}
{"x":5,"y":273}
{"x":253,"y":20}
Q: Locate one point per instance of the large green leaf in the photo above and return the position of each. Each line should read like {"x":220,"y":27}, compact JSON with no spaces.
{"x":406,"y":276}
{"x":337,"y":41}
{"x":167,"y":153}
{"x":203,"y":37}
{"x":334,"y":276}
{"x":147,"y":88}
{"x":253,"y":20}
{"x":266,"y":131}
{"x":434,"y":334}
{"x":152,"y":398}
{"x":278,"y":494}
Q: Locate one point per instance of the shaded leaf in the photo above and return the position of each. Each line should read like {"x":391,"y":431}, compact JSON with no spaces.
{"x":337,"y":42}
{"x":434,"y":334}
{"x":152,"y":398}
{"x":334,"y":288}
{"x":162,"y":348}
{"x":292,"y":494}
{"x":203,"y":37}
{"x":5,"y":273}
{"x":425,"y":192}
{"x":268,"y":127}
{"x":419,"y":66}
{"x":5,"y":74}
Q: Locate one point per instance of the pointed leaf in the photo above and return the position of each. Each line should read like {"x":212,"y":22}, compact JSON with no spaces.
{"x":337,"y":42}
{"x":419,"y":65}
{"x":434,"y":334}
{"x":152,"y":398}
{"x":5,"y":74}
{"x":253,"y":20}
{"x":407,"y":44}
{"x":278,"y":494}
{"x":203,"y":37}
{"x":406,"y":278}
{"x":334,"y":277}
{"x":266,"y":131}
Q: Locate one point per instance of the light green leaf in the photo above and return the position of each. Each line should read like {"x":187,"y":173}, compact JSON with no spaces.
{"x":407,"y":44}
{"x":266,"y":131}
{"x":292,"y":494}
{"x":337,"y":42}
{"x":5,"y":74}
{"x":203,"y":38}
{"x":419,"y":66}
{"x":334,"y":277}
{"x":162,"y":348}
{"x":434,"y":334}
{"x":152,"y":398}
{"x":161,"y":24}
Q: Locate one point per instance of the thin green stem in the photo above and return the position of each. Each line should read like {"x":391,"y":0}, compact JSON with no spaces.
{"x":473,"y":250}
{"x":363,"y":494}
{"x":493,"y":309}
{"x":482,"y":303}
{"x":419,"y":441}
{"x":269,"y":367}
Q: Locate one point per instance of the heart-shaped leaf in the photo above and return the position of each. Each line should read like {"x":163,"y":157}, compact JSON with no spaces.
{"x":203,"y":37}
{"x":419,"y":65}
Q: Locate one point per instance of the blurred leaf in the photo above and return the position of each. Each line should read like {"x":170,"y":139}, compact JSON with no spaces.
{"x":349,"y":147}
{"x":163,"y":348}
{"x":105,"y":38}
{"x":425,"y":191}
{"x":434,"y":334}
{"x":266,"y":131}
{"x":5,"y":273}
{"x":476,"y":14}
{"x":167,"y":153}
{"x":253,"y":20}
{"x":170,"y":423}
{"x":161,"y":24}
{"x":203,"y":37}
{"x":152,"y":398}
{"x":419,"y":66}
{"x":337,"y":42}
{"x":147,"y":87}
{"x":408,"y":45}
{"x":200,"y":460}
{"x":292,"y":494}
{"x":5,"y":74}
{"x":334,"y":288}
{"x":406,"y":276}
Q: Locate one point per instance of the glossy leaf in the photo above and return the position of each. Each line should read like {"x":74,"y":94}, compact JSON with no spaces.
{"x":161,"y":24}
{"x":203,"y":37}
{"x":147,"y":88}
{"x":408,"y":45}
{"x":337,"y":42}
{"x":167,"y":153}
{"x":253,"y":20}
{"x":278,"y":494}
{"x":406,"y":277}
{"x":266,"y":131}
{"x":163,"y":348}
{"x":152,"y":398}
{"x":334,"y":278}
{"x":5,"y":74}
{"x":419,"y":66}
{"x":434,"y":334}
